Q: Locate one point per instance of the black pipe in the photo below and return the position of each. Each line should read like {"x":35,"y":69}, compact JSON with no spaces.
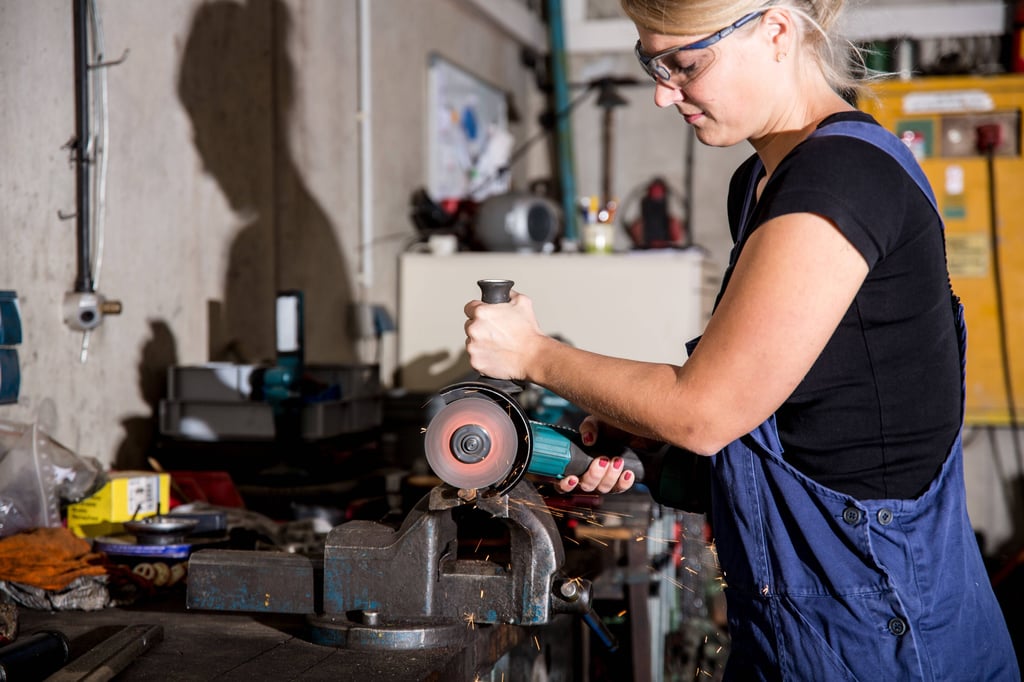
{"x":34,"y":657}
{"x":83,"y":278}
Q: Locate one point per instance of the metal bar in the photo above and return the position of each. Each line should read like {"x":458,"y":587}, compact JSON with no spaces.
{"x":107,"y":659}
{"x":638,"y":592}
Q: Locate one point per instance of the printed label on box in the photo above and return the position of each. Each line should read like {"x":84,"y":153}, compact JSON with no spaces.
{"x":143,"y":496}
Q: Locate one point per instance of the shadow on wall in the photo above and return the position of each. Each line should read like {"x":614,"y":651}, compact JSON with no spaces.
{"x":236,"y":82}
{"x":159,"y":353}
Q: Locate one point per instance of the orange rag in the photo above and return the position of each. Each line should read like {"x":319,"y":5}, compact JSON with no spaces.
{"x":50,"y":558}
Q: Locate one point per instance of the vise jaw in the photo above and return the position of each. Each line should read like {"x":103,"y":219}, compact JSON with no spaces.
{"x":404,"y":588}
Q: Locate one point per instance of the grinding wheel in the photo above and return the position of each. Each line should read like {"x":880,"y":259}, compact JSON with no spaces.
{"x":479,"y":439}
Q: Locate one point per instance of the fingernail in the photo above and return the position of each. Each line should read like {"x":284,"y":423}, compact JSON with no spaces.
{"x":602,"y":462}
{"x":572,"y":481}
{"x":588,"y":438}
{"x":628,"y":476}
{"x":617,"y":463}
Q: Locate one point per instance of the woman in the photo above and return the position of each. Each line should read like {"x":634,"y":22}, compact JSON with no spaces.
{"x":827,"y":388}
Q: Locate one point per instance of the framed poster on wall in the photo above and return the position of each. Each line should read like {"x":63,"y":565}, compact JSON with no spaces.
{"x":467,"y":135}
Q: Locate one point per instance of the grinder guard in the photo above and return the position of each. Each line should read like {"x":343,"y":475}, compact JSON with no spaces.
{"x":488,"y":416}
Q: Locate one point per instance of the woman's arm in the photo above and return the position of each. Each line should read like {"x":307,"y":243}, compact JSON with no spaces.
{"x":791,"y":286}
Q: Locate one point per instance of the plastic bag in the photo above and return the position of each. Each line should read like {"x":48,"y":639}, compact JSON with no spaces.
{"x":37,"y":474}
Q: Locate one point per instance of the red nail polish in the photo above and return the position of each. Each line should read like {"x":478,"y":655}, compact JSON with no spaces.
{"x":628,"y":476}
{"x":572,"y":481}
{"x":617,"y":463}
{"x":602,"y":462}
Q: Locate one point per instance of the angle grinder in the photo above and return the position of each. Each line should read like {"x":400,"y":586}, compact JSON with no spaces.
{"x":483,"y":438}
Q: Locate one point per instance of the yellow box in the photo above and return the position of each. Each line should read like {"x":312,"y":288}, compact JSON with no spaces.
{"x":128,"y":494}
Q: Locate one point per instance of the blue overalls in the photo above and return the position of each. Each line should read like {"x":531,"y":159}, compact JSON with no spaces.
{"x":821,"y":586}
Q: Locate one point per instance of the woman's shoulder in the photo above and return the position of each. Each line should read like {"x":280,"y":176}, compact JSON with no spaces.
{"x":844,"y":157}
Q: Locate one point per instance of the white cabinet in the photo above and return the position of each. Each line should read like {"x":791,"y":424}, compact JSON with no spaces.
{"x":640,"y":305}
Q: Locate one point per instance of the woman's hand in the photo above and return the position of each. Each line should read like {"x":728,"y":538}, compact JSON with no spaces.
{"x":502,"y":337}
{"x":605,"y":474}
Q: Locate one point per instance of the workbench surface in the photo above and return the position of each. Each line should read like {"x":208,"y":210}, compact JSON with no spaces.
{"x":236,"y":646}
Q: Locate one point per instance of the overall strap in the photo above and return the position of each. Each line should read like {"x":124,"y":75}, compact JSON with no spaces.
{"x":867,"y":132}
{"x":888,"y":143}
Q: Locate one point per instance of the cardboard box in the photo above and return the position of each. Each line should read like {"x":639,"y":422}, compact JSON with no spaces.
{"x":128,"y":494}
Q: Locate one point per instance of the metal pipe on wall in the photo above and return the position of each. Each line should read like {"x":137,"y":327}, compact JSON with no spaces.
{"x":83,"y":277}
{"x":365,"y":153}
{"x":566,"y":172}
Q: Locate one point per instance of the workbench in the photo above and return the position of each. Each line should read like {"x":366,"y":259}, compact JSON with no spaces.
{"x":199,"y":646}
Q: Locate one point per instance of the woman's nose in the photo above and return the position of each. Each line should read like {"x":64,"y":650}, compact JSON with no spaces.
{"x":665,"y":95}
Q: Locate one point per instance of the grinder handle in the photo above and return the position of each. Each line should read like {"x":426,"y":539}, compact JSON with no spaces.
{"x":498,"y":291}
{"x":580,"y":462}
{"x":557,"y":452}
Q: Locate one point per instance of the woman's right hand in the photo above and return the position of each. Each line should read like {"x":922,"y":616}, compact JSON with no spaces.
{"x":605,"y":474}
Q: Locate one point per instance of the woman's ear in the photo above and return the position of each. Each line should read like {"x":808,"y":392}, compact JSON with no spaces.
{"x":779,"y":29}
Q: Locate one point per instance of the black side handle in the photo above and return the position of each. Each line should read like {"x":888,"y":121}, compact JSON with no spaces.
{"x":495,"y":290}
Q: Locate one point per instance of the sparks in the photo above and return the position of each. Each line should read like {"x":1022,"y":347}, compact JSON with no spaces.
{"x":651,"y":538}
{"x":681,"y":586}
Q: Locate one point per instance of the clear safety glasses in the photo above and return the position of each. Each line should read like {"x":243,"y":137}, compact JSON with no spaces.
{"x":680,"y":66}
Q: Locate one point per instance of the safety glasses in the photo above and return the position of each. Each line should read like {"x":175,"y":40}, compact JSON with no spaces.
{"x":680,"y":66}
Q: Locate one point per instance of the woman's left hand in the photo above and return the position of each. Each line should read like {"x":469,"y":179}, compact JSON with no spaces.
{"x":501,"y":337}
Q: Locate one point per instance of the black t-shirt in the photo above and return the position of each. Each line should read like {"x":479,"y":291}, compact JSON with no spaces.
{"x":877,"y":413}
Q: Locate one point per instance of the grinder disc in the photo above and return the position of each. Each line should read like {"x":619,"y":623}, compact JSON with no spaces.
{"x":471,"y":443}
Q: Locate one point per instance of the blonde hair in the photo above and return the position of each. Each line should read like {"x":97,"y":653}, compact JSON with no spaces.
{"x":841,"y":62}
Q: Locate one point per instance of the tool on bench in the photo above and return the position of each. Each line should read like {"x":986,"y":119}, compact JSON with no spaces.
{"x":411,"y":588}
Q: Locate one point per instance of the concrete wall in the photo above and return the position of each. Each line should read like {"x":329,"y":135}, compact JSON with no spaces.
{"x":232,"y":173}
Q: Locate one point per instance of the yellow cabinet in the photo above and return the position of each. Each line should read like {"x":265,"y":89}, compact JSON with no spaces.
{"x":945,"y":121}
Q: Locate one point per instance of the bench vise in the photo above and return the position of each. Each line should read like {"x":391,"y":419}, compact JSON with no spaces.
{"x":378,"y":587}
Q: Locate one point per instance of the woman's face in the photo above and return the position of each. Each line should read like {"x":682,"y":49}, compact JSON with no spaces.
{"x":723,"y":90}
